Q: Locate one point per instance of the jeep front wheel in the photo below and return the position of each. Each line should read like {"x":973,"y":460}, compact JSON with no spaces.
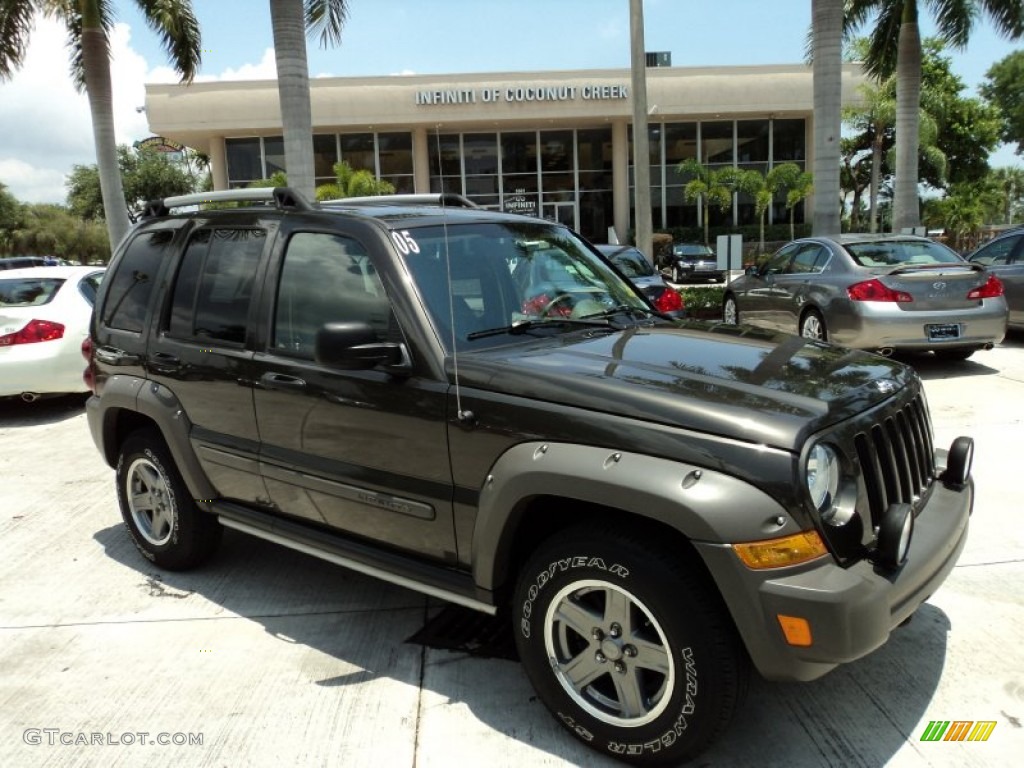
{"x":627,"y":646}
{"x":158,"y":511}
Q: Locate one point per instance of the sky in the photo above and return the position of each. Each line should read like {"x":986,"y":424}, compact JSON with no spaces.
{"x":45,"y":128}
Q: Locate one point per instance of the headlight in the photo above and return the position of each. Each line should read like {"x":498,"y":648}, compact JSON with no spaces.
{"x":823,"y":477}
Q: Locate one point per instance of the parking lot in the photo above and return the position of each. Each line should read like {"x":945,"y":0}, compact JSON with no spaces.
{"x":268,"y":657}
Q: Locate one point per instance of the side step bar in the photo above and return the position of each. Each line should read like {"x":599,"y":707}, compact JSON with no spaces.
{"x":432,"y":580}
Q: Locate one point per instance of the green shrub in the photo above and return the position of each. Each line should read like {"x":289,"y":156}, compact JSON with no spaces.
{"x":703,"y":303}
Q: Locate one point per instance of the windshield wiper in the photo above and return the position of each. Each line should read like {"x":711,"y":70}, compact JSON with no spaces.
{"x":522,"y":326}
{"x":625,"y":309}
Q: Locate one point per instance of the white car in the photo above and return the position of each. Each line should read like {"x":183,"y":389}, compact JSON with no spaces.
{"x":44,"y":318}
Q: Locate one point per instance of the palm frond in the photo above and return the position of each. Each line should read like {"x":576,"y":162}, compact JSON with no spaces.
{"x":954,"y":19}
{"x":326,"y":17}
{"x":178,"y":29}
{"x":15,"y":28}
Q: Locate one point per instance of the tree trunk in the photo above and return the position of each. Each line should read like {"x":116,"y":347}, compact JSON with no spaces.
{"x":289,"y":27}
{"x":905,"y":206}
{"x":96,"y":68}
{"x":827,"y":18}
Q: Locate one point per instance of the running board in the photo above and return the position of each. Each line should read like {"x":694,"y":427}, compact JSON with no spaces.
{"x":432,"y":580}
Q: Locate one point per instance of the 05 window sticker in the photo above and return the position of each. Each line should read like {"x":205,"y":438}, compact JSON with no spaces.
{"x":405,"y":242}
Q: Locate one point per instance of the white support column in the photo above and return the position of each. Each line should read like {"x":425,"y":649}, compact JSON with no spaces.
{"x":421,"y":160}
{"x":620,"y":178}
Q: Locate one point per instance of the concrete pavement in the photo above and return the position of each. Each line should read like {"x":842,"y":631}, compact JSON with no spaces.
{"x":270,"y":657}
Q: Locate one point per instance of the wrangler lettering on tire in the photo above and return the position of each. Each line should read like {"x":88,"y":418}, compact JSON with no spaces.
{"x":627,"y":645}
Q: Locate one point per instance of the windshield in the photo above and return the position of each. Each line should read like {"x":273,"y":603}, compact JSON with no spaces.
{"x":901,"y":253}
{"x":692,"y":251}
{"x":508,"y":273}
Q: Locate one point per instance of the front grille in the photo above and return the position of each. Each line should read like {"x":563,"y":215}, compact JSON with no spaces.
{"x":897,"y":458}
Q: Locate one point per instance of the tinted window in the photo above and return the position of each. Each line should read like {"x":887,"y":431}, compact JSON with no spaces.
{"x":810,"y":258}
{"x":780,"y":260}
{"x":28,"y":291}
{"x":214,"y":285}
{"x":632,"y":264}
{"x":132,"y":283}
{"x":326,"y":278}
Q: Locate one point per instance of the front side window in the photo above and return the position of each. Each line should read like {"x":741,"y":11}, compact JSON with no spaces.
{"x":778,"y":263}
{"x":810,"y":259}
{"x":997,"y":252}
{"x":214,"y":285}
{"x":326,"y":278}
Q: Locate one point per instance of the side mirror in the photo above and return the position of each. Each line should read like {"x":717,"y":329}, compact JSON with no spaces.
{"x":354,"y":347}
{"x":751,"y":270}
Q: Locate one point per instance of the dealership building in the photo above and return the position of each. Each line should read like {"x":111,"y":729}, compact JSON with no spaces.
{"x":550,"y":144}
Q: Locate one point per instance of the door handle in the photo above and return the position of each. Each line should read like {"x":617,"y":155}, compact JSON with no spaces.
{"x":281,"y":381}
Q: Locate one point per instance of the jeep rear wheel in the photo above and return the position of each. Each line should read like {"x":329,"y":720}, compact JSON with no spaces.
{"x":628,"y":648}
{"x":158,"y":511}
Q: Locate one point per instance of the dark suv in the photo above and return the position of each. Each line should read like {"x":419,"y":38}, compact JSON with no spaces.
{"x":476,"y":405}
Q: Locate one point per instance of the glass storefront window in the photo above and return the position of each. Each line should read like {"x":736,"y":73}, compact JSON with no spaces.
{"x":480,"y":151}
{"x":752,"y":141}
{"x":788,"y":141}
{"x":716,"y":142}
{"x":245,"y":160}
{"x":594,"y":149}
{"x":325,"y":155}
{"x":556,"y":151}
{"x":357,"y":150}
{"x":445,"y":155}
{"x":394,"y":152}
{"x":273,"y":154}
{"x":519,"y":152}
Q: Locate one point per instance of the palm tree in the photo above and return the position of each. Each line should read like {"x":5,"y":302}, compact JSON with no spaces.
{"x":1009,"y":183}
{"x":88,"y":24}
{"x":797,"y":184}
{"x":707,"y":187}
{"x":827,"y":41}
{"x":290,"y":20}
{"x":762,"y":188}
{"x":353,"y":183}
{"x":895,"y":48}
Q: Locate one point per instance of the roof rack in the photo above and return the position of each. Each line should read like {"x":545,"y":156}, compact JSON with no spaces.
{"x":436,"y":199}
{"x":282,"y":197}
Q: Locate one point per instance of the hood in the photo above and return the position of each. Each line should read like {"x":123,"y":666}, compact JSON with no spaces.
{"x":734,"y":381}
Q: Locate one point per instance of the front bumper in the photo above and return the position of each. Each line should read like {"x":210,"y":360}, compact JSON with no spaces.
{"x":851,"y":611}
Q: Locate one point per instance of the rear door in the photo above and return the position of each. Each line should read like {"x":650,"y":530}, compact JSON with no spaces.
{"x":364,"y":452}
{"x":199,"y":350}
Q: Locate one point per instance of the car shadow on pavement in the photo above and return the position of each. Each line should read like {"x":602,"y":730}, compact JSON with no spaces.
{"x":860,"y":714}
{"x":15,"y":412}
{"x":929,"y":367}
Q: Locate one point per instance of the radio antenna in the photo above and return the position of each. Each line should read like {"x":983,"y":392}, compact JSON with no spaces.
{"x":463,"y":416}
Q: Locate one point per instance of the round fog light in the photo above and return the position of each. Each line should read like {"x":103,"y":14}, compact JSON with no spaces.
{"x":894,"y":535}
{"x":959,"y":461}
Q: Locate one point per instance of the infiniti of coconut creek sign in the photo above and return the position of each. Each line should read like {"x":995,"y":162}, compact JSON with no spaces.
{"x":522,"y":93}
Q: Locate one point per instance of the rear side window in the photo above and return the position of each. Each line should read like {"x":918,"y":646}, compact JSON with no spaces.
{"x":28,"y":291}
{"x":214,"y":285}
{"x":132,"y":284}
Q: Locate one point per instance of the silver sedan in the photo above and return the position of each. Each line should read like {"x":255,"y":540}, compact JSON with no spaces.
{"x":876,"y":292}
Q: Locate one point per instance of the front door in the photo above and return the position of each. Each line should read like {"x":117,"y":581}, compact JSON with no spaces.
{"x":361,"y":451}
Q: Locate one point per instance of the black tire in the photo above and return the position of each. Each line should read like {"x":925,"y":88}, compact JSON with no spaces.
{"x":158,"y":511}
{"x":660,"y":668}
{"x":812,"y":326}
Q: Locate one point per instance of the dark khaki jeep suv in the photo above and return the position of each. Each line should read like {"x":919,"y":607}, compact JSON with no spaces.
{"x":478,"y":406}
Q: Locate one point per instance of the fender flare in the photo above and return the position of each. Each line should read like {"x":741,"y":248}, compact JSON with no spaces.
{"x":159,"y":405}
{"x":702,"y":504}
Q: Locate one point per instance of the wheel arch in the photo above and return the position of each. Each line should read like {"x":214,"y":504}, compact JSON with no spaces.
{"x":536,"y":489}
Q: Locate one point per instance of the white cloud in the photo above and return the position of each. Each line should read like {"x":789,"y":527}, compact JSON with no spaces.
{"x":46,"y":124}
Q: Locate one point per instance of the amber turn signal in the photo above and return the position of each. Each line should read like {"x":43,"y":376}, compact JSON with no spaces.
{"x":796,"y":629}
{"x":777,"y":553}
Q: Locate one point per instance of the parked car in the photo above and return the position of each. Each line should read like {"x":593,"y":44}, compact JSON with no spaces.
{"x":692,"y":262}
{"x":878,"y":292}
{"x":23,"y":262}
{"x":476,"y":405}
{"x":1004,"y":258}
{"x":44,"y":318}
{"x":632,"y":263}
